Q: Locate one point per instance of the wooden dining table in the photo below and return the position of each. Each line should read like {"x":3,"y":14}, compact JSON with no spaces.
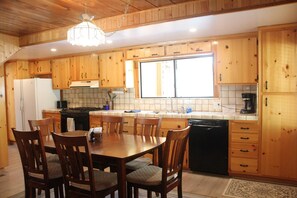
{"x":117,"y":150}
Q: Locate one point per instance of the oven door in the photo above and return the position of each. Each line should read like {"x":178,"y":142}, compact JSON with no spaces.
{"x":81,"y":121}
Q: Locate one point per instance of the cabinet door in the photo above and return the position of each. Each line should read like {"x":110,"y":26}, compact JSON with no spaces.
{"x":279,"y":136}
{"x":199,"y":47}
{"x":85,"y":67}
{"x":112,"y":70}
{"x":135,"y":53}
{"x":61,"y":73}
{"x":237,"y":61}
{"x":177,"y":49}
{"x":279,"y":60}
{"x":3,"y":127}
{"x":40,"y":67}
{"x":154,"y":51}
{"x":57,"y":118}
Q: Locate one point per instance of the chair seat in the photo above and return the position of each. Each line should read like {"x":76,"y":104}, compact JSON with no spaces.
{"x":52,"y":157}
{"x":138,"y":163}
{"x":54,"y":171}
{"x":148,"y":175}
{"x":103,"y":180}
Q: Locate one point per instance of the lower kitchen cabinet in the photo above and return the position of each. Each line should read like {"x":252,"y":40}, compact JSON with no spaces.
{"x":244,"y":147}
{"x":57,"y":118}
{"x":175,"y":123}
{"x":95,"y":121}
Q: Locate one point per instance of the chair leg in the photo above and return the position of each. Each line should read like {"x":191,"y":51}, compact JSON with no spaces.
{"x":112,"y":195}
{"x":61,"y":191}
{"x":149,"y":194}
{"x":179,"y":190}
{"x":56,"y":189}
{"x":136,"y":192}
{"x":48,"y":194}
{"x":129,"y":189}
{"x":38,"y":191}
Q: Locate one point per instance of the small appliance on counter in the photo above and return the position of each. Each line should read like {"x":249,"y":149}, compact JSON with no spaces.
{"x":249,"y":100}
{"x":62,"y":104}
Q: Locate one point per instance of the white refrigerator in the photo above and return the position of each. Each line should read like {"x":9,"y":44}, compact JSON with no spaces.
{"x":31,"y":96}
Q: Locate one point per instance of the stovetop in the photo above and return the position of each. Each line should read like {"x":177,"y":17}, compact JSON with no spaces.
{"x":81,"y":109}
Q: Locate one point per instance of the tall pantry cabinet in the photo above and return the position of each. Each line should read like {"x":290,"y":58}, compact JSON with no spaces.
{"x":278,"y":49}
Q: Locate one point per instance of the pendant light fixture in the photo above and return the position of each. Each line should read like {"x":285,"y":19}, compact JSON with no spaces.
{"x":87,"y":33}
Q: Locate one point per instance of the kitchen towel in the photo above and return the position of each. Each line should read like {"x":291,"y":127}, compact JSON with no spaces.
{"x":70,"y":124}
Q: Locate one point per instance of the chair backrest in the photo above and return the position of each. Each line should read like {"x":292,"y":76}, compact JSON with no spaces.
{"x":76,"y":162}
{"x":45,"y":126}
{"x":174,"y":150}
{"x":147,"y":126}
{"x":31,"y":149}
{"x":112,"y":124}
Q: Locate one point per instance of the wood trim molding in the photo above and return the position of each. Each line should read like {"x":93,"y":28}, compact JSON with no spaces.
{"x":157,"y":15}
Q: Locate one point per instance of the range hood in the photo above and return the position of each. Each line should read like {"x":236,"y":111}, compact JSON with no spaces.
{"x":89,"y":83}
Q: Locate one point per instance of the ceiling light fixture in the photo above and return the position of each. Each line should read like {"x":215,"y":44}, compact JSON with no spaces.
{"x":192,"y":30}
{"x":87,"y":33}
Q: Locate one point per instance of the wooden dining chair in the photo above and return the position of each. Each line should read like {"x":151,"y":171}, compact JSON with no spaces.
{"x":165,"y":178}
{"x":81,"y":180}
{"x":112,"y":124}
{"x":45,"y":126}
{"x":38,"y":172}
{"x":147,"y":127}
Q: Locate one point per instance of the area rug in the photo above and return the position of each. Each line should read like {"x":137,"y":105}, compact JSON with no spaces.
{"x":250,"y":189}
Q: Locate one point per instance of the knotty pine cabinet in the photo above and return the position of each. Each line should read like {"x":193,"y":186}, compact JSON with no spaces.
{"x":3,"y":125}
{"x":278,"y":47}
{"x":244,"y":147}
{"x":61,"y":73}
{"x":147,"y":52}
{"x":13,"y":70}
{"x":85,"y":67}
{"x":57,"y":118}
{"x":279,"y":60}
{"x":112,"y":70}
{"x":40,"y":67}
{"x":237,"y":61}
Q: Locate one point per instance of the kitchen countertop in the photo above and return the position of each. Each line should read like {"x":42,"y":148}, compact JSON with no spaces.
{"x":192,"y":115}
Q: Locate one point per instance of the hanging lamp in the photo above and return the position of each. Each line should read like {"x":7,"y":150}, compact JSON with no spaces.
{"x":86,"y":33}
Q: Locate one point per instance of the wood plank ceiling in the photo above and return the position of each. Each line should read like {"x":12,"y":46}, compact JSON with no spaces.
{"x":22,"y":17}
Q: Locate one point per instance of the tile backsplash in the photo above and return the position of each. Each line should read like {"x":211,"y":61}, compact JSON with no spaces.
{"x":230,"y":100}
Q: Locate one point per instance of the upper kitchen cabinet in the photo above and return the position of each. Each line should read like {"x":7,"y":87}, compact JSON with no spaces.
{"x":279,"y":60}
{"x":112,"y":70}
{"x":40,"y":67}
{"x":85,"y":67}
{"x":188,"y":48}
{"x":237,"y":61}
{"x":177,"y":49}
{"x":147,"y":52}
{"x":61,"y":73}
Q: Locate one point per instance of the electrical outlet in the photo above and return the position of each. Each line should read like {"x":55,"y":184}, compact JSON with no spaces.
{"x":217,"y":105}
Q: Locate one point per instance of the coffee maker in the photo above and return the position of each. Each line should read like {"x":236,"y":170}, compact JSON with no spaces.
{"x":249,"y":100}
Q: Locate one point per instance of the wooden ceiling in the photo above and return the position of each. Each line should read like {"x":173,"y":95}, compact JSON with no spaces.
{"x":22,"y":17}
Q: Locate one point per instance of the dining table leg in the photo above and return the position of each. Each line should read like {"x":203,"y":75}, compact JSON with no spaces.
{"x":121,"y":170}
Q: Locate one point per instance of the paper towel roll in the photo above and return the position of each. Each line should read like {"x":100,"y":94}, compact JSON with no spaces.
{"x":70,"y":124}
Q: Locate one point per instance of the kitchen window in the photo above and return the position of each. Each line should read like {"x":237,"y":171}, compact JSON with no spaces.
{"x":186,"y":77}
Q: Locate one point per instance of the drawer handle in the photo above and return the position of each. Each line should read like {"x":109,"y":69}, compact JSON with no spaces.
{"x":244,"y":138}
{"x":244,"y":165}
{"x":244,"y":151}
{"x":244,"y":128}
{"x":154,"y":54}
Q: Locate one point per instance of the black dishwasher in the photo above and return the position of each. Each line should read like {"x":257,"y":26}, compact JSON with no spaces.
{"x":208,"y":146}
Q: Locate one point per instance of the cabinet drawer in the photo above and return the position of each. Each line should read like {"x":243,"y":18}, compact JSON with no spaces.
{"x":244,"y":165}
{"x":173,"y":123}
{"x":95,"y":121}
{"x":244,"y":150}
{"x":128,"y":129}
{"x":244,"y":138}
{"x":250,"y":127}
{"x":177,"y":49}
{"x":198,"y":47}
{"x":128,"y":121}
{"x":56,"y":116}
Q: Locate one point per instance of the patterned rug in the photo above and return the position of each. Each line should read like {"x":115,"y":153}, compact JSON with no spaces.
{"x":249,"y":189}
